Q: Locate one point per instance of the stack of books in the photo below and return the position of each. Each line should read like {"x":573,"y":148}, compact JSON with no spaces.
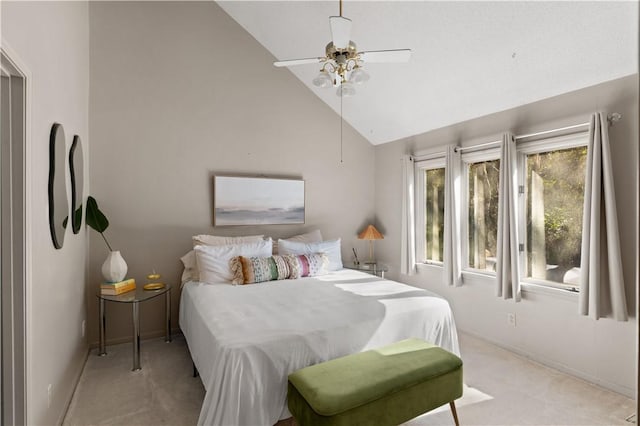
{"x":113,"y":289}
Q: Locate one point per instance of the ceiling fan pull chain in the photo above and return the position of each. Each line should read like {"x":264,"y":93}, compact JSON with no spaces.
{"x":341,"y":124}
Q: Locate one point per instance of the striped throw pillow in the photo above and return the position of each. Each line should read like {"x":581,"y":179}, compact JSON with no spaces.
{"x":249,"y":270}
{"x":307,"y":265}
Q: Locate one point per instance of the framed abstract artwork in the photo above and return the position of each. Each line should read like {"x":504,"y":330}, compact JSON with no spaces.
{"x":257,"y":201}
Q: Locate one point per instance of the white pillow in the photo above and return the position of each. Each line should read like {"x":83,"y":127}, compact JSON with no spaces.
{"x":215,"y":240}
{"x":213,"y":261}
{"x":330,"y":248}
{"x":190,"y":272}
{"x":310,"y":237}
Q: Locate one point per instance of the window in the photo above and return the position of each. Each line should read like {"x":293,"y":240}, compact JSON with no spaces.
{"x":551,"y":179}
{"x":552,"y":187}
{"x":481,"y":173}
{"x":430,"y":211}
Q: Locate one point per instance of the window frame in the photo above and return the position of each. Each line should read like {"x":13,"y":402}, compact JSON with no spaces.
{"x":420,"y":167}
{"x":524,"y":148}
{"x":468,"y":158}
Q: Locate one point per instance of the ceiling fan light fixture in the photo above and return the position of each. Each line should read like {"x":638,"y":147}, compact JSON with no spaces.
{"x":341,"y":63}
{"x":346,"y":89}
{"x":359,"y":76}
{"x":323,"y":80}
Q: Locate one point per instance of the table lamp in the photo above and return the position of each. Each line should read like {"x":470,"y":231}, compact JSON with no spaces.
{"x":370,"y":233}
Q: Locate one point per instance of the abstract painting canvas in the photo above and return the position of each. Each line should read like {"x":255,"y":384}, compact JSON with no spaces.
{"x":257,"y":201}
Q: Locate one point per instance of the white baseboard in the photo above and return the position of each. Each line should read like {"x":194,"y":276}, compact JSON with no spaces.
{"x":75,"y":386}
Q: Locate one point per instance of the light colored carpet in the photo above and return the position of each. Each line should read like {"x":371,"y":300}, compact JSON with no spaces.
{"x":501,"y":388}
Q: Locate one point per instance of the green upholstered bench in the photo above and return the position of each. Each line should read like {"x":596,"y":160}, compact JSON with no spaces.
{"x":385,"y":386}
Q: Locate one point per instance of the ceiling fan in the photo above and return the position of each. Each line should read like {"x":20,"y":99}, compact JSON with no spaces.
{"x":342,"y":63}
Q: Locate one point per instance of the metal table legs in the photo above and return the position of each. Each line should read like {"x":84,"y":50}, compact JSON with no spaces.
{"x":102,"y":322}
{"x":136,"y":336}
{"x":135,"y":316}
{"x":167,"y":314}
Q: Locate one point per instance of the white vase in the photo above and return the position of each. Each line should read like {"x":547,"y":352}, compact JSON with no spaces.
{"x":114,"y":269}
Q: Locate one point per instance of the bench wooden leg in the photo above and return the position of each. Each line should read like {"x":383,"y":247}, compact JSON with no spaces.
{"x":452,"y":404}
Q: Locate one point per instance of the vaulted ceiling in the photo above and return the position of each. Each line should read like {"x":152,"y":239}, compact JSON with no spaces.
{"x":469,"y":58}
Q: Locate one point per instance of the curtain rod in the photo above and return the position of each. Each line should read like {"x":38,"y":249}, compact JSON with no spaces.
{"x":611,"y":119}
{"x":428,"y":156}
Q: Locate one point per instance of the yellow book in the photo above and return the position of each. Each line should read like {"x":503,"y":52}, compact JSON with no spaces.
{"x":118,"y":284}
{"x":115,"y":291}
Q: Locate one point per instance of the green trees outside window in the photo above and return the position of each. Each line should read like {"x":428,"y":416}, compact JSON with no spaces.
{"x":434,"y":214}
{"x":483,"y":214}
{"x":554,"y":209}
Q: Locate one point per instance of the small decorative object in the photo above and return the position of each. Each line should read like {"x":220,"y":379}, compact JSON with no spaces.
{"x":355,"y":257}
{"x":370,"y":233}
{"x":257,"y":201}
{"x":152,"y":282}
{"x":114,"y":268}
{"x":116,"y":288}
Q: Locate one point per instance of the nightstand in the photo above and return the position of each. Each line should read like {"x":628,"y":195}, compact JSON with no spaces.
{"x":370,"y":268}
{"x":135,"y":298}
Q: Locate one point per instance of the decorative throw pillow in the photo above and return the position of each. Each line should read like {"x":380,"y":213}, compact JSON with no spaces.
{"x":215,"y":240}
{"x":307,"y":265}
{"x":330,"y":248}
{"x":213,"y":261}
{"x":309,"y":237}
{"x":249,"y":270}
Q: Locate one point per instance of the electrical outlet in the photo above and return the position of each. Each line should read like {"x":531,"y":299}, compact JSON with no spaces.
{"x":84,"y":327}
{"x":49,"y":394}
{"x":511,"y":319}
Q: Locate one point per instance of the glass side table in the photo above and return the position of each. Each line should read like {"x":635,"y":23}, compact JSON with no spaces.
{"x":135,"y":298}
{"x":370,"y":268}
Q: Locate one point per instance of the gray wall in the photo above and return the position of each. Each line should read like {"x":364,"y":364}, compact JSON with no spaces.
{"x":180,"y":92}
{"x":51,"y":41}
{"x":549,"y":328}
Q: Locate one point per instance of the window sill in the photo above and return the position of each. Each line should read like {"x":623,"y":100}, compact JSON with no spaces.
{"x":478,"y":273}
{"x":549,"y":291}
{"x":429,"y":265}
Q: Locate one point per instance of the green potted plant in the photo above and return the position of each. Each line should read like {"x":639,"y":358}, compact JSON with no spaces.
{"x":114,"y":268}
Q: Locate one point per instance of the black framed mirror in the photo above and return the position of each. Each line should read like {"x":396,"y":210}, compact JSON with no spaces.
{"x":76,"y":172}
{"x":58,"y":201}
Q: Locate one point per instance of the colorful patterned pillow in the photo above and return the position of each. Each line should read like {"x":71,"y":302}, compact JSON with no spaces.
{"x":307,"y":265}
{"x":249,"y":270}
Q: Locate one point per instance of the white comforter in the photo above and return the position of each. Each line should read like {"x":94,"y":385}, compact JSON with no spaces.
{"x":245,"y":340}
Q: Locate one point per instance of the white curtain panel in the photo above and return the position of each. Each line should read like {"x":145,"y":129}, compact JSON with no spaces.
{"x":452,"y":242}
{"x":601,"y":279}
{"x":508,"y":264}
{"x":408,"y":237}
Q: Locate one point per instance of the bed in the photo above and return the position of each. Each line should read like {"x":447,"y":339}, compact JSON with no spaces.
{"x":245,"y":340}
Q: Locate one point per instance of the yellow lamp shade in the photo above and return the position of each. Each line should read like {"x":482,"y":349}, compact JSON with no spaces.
{"x":370,"y":233}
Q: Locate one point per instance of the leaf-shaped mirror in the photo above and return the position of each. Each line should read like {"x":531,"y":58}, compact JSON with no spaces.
{"x":58,"y":201}
{"x":76,"y":169}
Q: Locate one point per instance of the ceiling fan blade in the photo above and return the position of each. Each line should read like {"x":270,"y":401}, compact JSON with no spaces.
{"x":292,"y":62}
{"x":340,"y":31}
{"x":397,"y":55}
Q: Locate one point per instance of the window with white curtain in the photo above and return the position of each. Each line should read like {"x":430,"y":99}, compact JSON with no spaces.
{"x":480,"y":178}
{"x":430,"y":210}
{"x":551,"y":178}
{"x":551,"y":191}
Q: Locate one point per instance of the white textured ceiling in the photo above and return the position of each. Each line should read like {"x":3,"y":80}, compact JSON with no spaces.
{"x":469,"y":58}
